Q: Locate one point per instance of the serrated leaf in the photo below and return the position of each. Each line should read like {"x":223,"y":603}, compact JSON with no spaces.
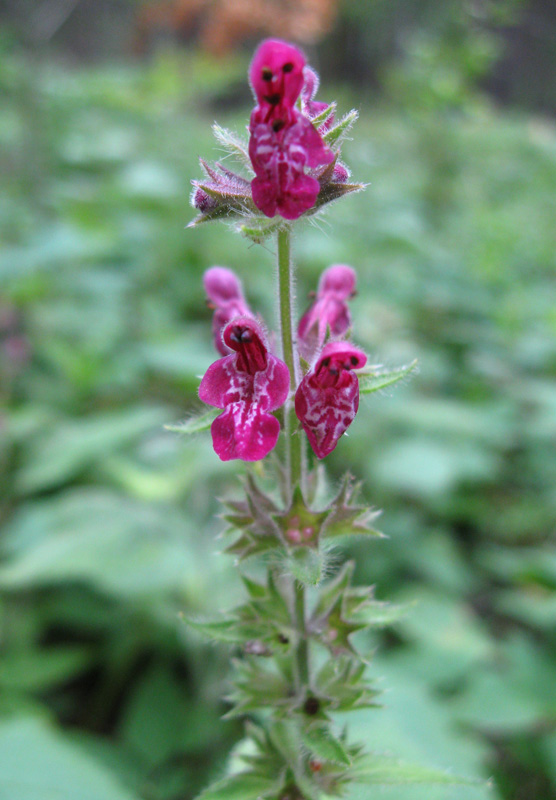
{"x":384,"y":770}
{"x":321,"y":741}
{"x":380,"y":379}
{"x":197,"y":423}
{"x":222,"y":630}
{"x":244,"y":786}
{"x":378,"y":614}
{"x":333,"y":136}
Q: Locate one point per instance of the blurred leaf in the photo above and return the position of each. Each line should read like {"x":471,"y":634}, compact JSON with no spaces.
{"x":100,"y":537}
{"x":195,"y":424}
{"x":383,"y":770}
{"x":320,"y":740}
{"x":40,"y":670}
{"x":60,"y":454}
{"x":244,"y":786}
{"x":376,"y":379}
{"x":36,"y":763}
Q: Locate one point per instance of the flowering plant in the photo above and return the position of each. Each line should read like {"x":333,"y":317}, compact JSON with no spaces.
{"x":298,"y":662}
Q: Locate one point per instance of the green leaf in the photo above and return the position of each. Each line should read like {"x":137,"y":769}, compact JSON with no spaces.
{"x":225,"y":630}
{"x":99,"y":537}
{"x":373,"y":381}
{"x":244,"y":786}
{"x":63,"y":451}
{"x":383,"y":770}
{"x":38,"y":763}
{"x":320,"y":740}
{"x":197,"y":423}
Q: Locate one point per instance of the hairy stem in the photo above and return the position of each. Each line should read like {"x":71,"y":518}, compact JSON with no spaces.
{"x":294,"y":455}
{"x":289,"y":353}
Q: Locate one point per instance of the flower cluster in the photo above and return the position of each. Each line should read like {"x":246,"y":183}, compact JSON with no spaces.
{"x":283,"y":140}
{"x":249,"y":381}
{"x":292,"y":154}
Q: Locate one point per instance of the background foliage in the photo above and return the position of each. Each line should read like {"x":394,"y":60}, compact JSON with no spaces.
{"x":108,"y":522}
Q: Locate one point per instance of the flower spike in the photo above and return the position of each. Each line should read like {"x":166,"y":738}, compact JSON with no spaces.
{"x":329,"y":312}
{"x":225,"y":295}
{"x":248,"y":384}
{"x":327,"y":398}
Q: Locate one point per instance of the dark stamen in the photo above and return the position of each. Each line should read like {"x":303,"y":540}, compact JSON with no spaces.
{"x":311,"y":706}
{"x":287,"y":67}
{"x":266,"y":74}
{"x":273,"y":99}
{"x":354,"y":360}
{"x":326,"y":362}
{"x":277,"y":125}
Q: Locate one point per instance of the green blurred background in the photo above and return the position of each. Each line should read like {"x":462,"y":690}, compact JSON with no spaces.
{"x":108,"y":522}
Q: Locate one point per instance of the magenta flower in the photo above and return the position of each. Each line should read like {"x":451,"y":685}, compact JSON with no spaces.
{"x":283,"y":141}
{"x":225,"y":295}
{"x":329,"y":312}
{"x":327,"y":398}
{"x":247,"y":384}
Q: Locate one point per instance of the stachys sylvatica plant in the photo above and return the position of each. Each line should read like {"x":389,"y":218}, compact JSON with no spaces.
{"x":288,"y":399}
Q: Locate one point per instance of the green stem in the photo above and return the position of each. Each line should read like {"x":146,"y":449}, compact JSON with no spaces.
{"x":302,"y":648}
{"x":294,"y":455}
{"x":285,"y":281}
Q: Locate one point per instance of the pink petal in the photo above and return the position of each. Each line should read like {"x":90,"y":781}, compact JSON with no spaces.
{"x":299,"y":195}
{"x":304,"y":135}
{"x":339,"y":279}
{"x":222,"y":286}
{"x":276,"y":71}
{"x":244,"y":432}
{"x":273,"y":390}
{"x":327,"y":398}
{"x":265,"y":195}
{"x":247,"y":384}
{"x":217,"y":382}
{"x":329,"y":311}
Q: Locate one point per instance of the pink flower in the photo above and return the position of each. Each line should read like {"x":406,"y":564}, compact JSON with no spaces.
{"x":327,"y":398}
{"x":283,"y":141}
{"x":225,"y":295}
{"x":248,"y":384}
{"x":329,"y":312}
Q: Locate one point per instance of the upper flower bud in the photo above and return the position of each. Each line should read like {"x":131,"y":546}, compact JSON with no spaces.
{"x":293,"y":150}
{"x":247,"y":384}
{"x":225,"y":295}
{"x":283,"y":141}
{"x":327,"y":398}
{"x":329,"y":312}
{"x":276,"y":75}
